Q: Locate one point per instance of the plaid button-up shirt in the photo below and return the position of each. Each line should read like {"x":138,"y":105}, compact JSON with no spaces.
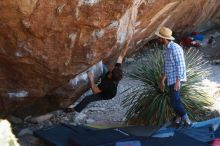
{"x":174,"y":63}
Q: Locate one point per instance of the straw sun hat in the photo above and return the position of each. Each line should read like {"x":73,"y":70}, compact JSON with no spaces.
{"x":165,"y":33}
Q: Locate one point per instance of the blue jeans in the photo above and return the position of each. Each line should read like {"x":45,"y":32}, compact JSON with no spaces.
{"x":176,"y":102}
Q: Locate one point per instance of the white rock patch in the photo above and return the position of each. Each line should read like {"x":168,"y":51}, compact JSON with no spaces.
{"x":18,"y":94}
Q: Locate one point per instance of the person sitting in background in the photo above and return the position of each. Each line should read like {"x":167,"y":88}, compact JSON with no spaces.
{"x":211,"y":41}
{"x":107,"y":88}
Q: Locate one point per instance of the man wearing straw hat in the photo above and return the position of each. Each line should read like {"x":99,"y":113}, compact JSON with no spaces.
{"x":174,"y":72}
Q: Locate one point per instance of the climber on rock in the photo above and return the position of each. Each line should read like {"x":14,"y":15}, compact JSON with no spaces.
{"x":107,"y":88}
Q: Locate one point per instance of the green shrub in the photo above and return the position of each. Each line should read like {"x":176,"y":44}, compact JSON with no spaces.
{"x":148,"y":105}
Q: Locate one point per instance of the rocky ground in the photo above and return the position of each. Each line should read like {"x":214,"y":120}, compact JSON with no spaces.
{"x":212,"y":54}
{"x":111,"y":111}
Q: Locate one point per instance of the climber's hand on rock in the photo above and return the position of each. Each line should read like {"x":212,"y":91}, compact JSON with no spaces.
{"x":90,"y":76}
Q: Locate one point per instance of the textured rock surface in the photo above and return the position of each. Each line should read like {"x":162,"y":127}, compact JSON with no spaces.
{"x":43,"y":44}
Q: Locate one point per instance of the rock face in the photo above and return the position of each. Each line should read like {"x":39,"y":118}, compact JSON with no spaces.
{"x":45,"y":43}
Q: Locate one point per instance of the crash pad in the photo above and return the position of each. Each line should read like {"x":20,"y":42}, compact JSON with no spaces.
{"x":68,"y":135}
{"x":179,"y":139}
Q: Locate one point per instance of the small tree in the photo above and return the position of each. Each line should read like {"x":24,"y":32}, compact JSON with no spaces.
{"x":147,"y":104}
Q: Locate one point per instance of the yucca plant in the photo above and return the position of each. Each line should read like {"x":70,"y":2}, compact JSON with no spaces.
{"x":148,"y":105}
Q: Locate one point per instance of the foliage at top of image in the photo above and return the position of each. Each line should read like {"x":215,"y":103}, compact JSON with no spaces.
{"x":148,"y":105}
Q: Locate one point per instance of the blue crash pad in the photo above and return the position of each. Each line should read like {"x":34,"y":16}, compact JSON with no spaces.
{"x":67,"y":135}
{"x":202,"y":131}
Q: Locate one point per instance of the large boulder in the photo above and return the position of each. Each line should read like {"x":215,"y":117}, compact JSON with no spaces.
{"x":46,"y":43}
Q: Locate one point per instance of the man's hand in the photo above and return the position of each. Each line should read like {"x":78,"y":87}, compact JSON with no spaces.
{"x":94,"y":87}
{"x":120,"y":59}
{"x":162,"y":86}
{"x":177,"y":85}
{"x":91,"y":76}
